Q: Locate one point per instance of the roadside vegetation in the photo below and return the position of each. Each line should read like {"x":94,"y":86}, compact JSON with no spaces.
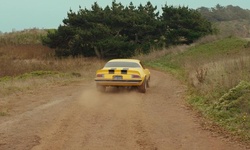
{"x":216,"y":69}
{"x":25,"y":66}
{"x":218,"y":79}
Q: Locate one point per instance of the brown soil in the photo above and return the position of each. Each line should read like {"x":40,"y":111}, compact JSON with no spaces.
{"x":76,"y":116}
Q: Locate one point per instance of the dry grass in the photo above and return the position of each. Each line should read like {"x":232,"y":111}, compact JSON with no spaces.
{"x":29,"y":36}
{"x":25,"y":51}
{"x":28,"y":67}
{"x":219,"y":76}
{"x":17,"y":60}
{"x":60,"y":72}
{"x":14,"y":59}
{"x":238,"y":28}
{"x":223,"y":73}
{"x":208,"y":39}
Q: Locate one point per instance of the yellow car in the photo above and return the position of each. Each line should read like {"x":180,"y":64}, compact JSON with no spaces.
{"x":123,"y":73}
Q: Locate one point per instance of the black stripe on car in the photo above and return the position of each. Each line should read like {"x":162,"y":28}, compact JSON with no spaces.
{"x":112,"y":71}
{"x":124,"y":71}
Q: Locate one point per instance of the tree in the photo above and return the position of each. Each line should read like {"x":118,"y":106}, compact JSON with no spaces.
{"x":119,"y":31}
{"x":184,"y":25}
{"x":220,"y":13}
{"x":115,"y":31}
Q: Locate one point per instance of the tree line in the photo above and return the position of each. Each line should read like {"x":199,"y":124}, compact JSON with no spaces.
{"x":227,"y":13}
{"x":122,"y":31}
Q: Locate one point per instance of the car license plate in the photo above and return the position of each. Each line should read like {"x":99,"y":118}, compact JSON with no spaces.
{"x":117,"y":77}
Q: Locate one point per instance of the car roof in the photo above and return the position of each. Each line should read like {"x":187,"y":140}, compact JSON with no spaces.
{"x":125,"y":60}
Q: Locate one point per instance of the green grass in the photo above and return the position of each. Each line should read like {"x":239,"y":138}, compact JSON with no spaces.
{"x":217,"y":74}
{"x":3,"y":114}
{"x":203,"y":53}
{"x":167,"y":63}
{"x":224,"y":46}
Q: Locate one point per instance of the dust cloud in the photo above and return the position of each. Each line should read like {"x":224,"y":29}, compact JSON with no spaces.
{"x":114,"y":100}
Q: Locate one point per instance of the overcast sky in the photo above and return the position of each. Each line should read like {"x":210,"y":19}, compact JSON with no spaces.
{"x":17,"y":15}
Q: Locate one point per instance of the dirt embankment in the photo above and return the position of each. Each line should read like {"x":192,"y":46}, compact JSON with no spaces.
{"x":77,"y":117}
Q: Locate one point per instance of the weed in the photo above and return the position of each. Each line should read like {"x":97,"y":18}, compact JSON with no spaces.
{"x":236,"y":99}
{"x":247,"y":45}
{"x":201,"y":74}
{"x":6,"y":78}
{"x":3,"y":114}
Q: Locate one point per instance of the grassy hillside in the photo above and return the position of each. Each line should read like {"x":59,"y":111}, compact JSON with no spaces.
{"x":217,"y":74}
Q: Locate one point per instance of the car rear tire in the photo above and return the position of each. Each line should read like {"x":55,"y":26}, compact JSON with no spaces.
{"x":143,"y":87}
{"x":148,"y":82}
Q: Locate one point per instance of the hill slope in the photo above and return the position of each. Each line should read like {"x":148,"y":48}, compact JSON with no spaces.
{"x":217,"y":73}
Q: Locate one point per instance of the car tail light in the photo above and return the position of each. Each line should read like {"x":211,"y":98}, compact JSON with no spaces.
{"x":135,"y":76}
{"x":100,"y":75}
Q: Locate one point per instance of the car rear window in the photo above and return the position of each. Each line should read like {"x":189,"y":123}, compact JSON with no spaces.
{"x":122,"y":64}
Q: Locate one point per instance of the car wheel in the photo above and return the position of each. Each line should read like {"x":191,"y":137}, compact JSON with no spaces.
{"x":148,"y":82}
{"x":101,"y":88}
{"x":143,"y":87}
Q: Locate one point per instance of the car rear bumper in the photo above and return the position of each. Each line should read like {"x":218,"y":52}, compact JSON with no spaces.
{"x":119,"y":82}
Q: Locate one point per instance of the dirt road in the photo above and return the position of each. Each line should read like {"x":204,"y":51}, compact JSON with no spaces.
{"x":76,"y":117}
